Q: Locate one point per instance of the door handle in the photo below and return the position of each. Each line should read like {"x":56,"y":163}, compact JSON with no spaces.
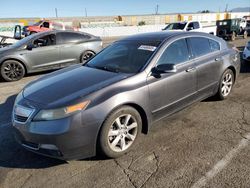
{"x":218,"y":59}
{"x":191,"y":69}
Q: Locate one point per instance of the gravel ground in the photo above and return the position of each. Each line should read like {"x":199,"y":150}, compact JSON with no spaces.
{"x":204,"y":145}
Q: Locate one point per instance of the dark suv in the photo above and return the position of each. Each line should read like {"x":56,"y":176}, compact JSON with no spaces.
{"x":231,"y":28}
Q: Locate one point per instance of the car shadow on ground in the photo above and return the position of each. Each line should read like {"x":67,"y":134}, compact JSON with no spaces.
{"x":12,"y":155}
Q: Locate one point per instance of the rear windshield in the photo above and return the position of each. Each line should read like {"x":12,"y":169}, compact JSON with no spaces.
{"x":124,"y":56}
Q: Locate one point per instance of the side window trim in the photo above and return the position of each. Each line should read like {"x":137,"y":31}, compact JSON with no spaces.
{"x":193,"y":55}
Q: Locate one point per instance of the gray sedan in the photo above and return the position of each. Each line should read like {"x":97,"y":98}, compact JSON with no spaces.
{"x":104,"y":105}
{"x":47,"y":51}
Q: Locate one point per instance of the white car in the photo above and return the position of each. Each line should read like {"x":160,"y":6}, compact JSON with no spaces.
{"x":246,"y":52}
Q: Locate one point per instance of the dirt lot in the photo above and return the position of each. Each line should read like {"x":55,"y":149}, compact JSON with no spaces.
{"x":205,"y":145}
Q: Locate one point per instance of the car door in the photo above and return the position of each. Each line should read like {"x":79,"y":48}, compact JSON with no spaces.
{"x":170,"y":92}
{"x":208,"y":60}
{"x":71,"y":47}
{"x":44,"y":53}
{"x":193,"y":26}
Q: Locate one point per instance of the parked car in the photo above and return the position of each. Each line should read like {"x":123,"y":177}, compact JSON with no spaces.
{"x":190,"y":26}
{"x":46,"y":51}
{"x":104,"y":105}
{"x":248,"y":27}
{"x":246,"y":52}
{"x":231,"y":28}
{"x":44,"y":25}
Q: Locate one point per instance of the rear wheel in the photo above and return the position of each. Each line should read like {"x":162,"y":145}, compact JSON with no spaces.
{"x":226,"y":84}
{"x":120,"y":132}
{"x":233,"y":37}
{"x":12,"y":70}
{"x":245,"y":34}
{"x":86,"y":56}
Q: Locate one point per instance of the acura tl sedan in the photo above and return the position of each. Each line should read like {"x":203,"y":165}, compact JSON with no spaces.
{"x":102,"y":106}
{"x":46,"y":51}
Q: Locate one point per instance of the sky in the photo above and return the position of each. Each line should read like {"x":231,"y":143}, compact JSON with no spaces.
{"x":46,"y":8}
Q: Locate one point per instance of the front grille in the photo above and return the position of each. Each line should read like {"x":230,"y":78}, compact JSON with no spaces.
{"x":21,"y":118}
{"x":222,"y":32}
{"x":21,"y":114}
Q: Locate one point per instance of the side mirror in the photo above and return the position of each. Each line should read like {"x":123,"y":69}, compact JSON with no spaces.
{"x":164,"y":68}
{"x":30,"y":46}
{"x":189,"y":28}
{"x":17,"y":32}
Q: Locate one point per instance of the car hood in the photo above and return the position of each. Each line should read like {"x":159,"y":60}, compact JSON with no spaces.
{"x":67,"y":85}
{"x":6,"y":49}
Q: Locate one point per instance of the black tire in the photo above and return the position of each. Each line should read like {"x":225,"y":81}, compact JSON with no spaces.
{"x":106,"y":141}
{"x":233,"y":36}
{"x":12,"y":70}
{"x":87,"y":55}
{"x":221,"y":95}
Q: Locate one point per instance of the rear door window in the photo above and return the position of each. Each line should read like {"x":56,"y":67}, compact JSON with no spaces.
{"x":69,"y":37}
{"x":176,"y":53}
{"x":200,"y":46}
{"x":215,"y":46}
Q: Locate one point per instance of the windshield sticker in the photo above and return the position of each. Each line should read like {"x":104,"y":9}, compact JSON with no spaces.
{"x":148,"y":48}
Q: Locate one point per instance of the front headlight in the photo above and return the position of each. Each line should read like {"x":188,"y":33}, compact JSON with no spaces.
{"x":53,"y":114}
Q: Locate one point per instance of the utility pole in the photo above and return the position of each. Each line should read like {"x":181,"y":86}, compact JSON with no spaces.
{"x":157,"y":9}
{"x":86,"y":13}
{"x":226,"y":8}
{"x":56,"y":12}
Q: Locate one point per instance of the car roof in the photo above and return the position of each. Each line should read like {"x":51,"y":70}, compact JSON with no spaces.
{"x":164,"y":35}
{"x":61,"y":31}
{"x":153,"y":36}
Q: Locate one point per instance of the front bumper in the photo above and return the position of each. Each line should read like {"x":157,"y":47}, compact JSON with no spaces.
{"x":246,"y":55}
{"x":65,"y":139}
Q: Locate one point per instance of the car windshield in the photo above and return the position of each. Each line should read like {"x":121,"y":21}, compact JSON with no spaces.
{"x":125,"y":56}
{"x":22,"y":41}
{"x":37,"y":23}
{"x":174,"y":26}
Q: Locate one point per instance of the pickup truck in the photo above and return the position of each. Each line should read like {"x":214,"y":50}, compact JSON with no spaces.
{"x":44,"y":25}
{"x":190,"y":26}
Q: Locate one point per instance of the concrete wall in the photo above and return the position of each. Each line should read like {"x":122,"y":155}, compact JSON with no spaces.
{"x":123,"y":30}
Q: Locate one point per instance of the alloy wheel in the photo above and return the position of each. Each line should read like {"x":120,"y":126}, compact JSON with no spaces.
{"x":87,"y":55}
{"x":122,"y":133}
{"x":12,"y":70}
{"x":227,"y":84}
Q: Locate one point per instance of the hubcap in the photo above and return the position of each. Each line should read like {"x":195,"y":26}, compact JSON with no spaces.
{"x":227,"y":84}
{"x":122,"y":133}
{"x":13,"y":71}
{"x":87,"y":56}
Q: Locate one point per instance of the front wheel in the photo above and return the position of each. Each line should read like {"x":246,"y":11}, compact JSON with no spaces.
{"x":120,"y":132}
{"x":226,"y":84}
{"x":233,"y":37}
{"x":12,"y":70}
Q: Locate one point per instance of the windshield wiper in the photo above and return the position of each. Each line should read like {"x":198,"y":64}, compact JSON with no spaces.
{"x":105,"y":68}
